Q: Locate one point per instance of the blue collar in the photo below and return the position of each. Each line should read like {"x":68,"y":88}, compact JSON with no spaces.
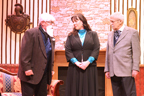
{"x":82,"y":31}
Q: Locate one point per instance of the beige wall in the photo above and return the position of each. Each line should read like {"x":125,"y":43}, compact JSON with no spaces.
{"x":96,"y":11}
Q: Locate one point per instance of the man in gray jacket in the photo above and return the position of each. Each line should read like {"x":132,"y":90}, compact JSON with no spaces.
{"x":122,"y":57}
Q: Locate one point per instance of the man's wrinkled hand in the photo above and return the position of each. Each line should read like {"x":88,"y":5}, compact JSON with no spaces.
{"x":29,"y":73}
{"x":107,"y":74}
{"x":134,"y":73}
{"x":53,"y":73}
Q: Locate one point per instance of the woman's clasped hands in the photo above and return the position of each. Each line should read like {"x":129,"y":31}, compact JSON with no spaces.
{"x":83,"y":65}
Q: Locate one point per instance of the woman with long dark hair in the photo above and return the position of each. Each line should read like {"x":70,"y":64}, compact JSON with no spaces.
{"x":82,"y":50}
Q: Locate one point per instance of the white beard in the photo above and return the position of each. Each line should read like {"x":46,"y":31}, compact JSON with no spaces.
{"x":49,"y":31}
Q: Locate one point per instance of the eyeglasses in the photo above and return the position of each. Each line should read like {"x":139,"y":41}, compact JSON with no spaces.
{"x":49,"y":22}
{"x":113,"y":21}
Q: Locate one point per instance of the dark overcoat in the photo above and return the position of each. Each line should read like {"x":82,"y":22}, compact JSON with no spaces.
{"x":33,"y":57}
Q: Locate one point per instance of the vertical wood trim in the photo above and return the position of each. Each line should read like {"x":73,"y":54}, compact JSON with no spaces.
{"x":33,"y":12}
{"x":49,"y":6}
{"x":136,"y":4}
{"x":131,"y":3}
{"x":15,"y":49}
{"x":108,"y":87}
{"x":118,"y":5}
{"x":29,"y":10}
{"x":127,"y":4}
{"x":110,"y":7}
{"x":15,"y":44}
{"x":140,"y":19}
{"x":29,"y":6}
{"x":46,"y":6}
{"x":6,"y":34}
{"x":2,"y":33}
{"x":11,"y":33}
{"x":25,"y":6}
{"x":123,"y":7}
{"x":42,"y":6}
{"x":114,"y":5}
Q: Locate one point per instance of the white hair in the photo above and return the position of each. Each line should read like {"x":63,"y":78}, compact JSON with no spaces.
{"x":46,"y":17}
{"x":118,"y":15}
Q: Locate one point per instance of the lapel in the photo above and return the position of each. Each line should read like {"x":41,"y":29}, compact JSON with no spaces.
{"x":52,"y":41}
{"x":87,"y":36}
{"x":124,"y":32}
{"x":41,"y":43}
{"x":77,"y":38}
{"x":111,"y":39}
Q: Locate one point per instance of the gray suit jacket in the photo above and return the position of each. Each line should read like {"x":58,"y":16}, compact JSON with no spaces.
{"x":124,"y":57}
{"x":33,"y":57}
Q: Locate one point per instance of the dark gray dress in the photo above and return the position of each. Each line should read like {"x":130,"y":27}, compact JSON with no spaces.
{"x":82,"y":82}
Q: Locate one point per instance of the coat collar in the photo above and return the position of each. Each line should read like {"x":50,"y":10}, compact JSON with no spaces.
{"x":41,"y":43}
{"x":124,"y":33}
{"x":77,"y":38}
{"x":87,"y":36}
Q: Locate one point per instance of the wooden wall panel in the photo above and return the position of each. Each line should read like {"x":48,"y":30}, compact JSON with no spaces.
{"x":10,"y":42}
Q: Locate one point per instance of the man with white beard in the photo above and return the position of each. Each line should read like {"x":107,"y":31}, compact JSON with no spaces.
{"x":37,"y":57}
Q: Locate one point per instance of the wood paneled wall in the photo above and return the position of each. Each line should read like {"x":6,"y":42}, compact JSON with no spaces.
{"x":10,"y":42}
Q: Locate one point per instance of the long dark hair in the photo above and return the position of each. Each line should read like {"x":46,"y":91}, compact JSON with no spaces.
{"x":83,"y":19}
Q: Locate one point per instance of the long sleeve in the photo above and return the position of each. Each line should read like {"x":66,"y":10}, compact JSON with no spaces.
{"x":135,"y":51}
{"x":91,"y":59}
{"x":95,"y":51}
{"x":68,"y":50}
{"x":106,"y":69}
{"x":26,"y":51}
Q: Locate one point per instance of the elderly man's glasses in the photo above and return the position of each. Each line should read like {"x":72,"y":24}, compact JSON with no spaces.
{"x":113,"y":21}
{"x":49,"y":22}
